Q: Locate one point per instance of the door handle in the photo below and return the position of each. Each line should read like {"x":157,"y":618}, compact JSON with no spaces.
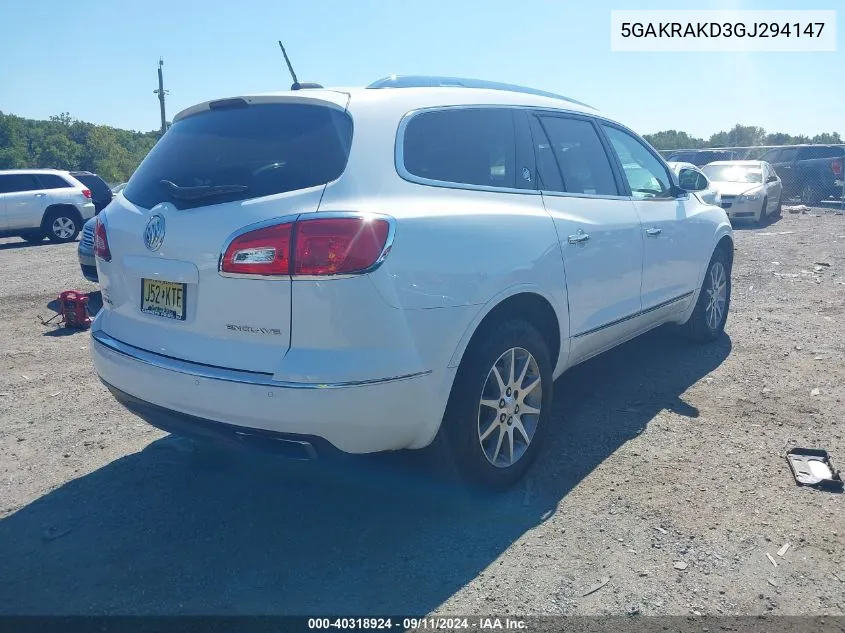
{"x":653,"y":232}
{"x":40,"y":195}
{"x":579,"y":237}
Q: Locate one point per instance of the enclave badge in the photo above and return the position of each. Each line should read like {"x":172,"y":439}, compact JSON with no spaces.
{"x":154,"y":233}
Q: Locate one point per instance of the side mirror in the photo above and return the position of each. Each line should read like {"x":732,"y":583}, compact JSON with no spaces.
{"x":772,"y":178}
{"x":689,"y":180}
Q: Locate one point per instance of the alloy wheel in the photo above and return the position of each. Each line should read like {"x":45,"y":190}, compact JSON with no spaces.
{"x":509,"y":409}
{"x":717,"y":294}
{"x":63,"y":227}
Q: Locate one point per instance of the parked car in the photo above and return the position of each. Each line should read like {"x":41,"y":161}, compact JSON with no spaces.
{"x":39,"y":203}
{"x":85,"y":251}
{"x":749,"y":189}
{"x":701,"y":157}
{"x":396,"y":287}
{"x":118,"y":188}
{"x":811,"y":172}
{"x":101,"y":193}
{"x":691,"y":178}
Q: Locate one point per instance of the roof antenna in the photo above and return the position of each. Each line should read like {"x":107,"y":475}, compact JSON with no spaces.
{"x":295,"y":85}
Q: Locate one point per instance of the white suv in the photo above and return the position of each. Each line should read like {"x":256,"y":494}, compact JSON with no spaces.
{"x":39,"y":203}
{"x":376,"y":269}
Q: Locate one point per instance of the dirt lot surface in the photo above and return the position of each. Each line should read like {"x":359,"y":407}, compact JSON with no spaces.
{"x":665,"y":477}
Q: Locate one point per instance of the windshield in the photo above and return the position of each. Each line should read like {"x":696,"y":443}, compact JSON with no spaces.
{"x":733,"y":173}
{"x":243,"y":152}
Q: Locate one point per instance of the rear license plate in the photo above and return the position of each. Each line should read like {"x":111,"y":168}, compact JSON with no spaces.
{"x":163,"y":298}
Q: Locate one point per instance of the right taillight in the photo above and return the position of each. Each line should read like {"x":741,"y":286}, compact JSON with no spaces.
{"x":321,"y":246}
{"x":101,"y":240}
{"x":836,"y":166}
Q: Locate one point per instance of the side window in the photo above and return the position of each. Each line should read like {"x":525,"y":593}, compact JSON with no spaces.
{"x":787,"y":155}
{"x":11,"y":183}
{"x":547,"y":169}
{"x":579,"y":156}
{"x":473,"y":146}
{"x":52,"y":181}
{"x":646,"y":176}
{"x":772,"y":156}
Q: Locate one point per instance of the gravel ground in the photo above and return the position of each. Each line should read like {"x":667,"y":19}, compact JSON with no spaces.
{"x":665,"y":477}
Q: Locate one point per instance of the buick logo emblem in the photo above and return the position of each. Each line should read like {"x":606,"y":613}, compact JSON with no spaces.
{"x":154,"y":233}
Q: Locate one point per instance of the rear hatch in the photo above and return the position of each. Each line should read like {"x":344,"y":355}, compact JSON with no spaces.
{"x":222,"y":166}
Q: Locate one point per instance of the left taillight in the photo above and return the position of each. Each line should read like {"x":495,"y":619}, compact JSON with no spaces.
{"x":101,"y":240}
{"x":315,"y":246}
{"x":836,"y":166}
{"x":86,"y":193}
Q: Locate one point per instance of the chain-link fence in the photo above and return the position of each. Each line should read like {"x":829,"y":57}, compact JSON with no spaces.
{"x":811,"y":174}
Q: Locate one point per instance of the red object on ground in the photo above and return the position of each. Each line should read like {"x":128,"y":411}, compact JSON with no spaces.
{"x":73,"y":306}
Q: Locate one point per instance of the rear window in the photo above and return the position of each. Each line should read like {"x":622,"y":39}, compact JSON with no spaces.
{"x":244,"y":152}
{"x":820,"y":152}
{"x":97,"y":185}
{"x":472,"y":146}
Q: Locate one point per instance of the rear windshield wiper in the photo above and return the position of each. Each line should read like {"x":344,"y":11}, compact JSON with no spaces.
{"x":201,"y":191}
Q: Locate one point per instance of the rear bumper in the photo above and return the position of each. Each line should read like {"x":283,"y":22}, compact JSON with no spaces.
{"x":361,"y":417}
{"x":294,"y":446}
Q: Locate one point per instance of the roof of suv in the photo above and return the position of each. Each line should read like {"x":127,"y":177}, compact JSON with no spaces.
{"x":404,"y":99}
{"x":61,"y":172}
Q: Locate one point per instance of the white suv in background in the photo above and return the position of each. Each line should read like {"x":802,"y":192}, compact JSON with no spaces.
{"x":394,"y":266}
{"x":39,"y":203}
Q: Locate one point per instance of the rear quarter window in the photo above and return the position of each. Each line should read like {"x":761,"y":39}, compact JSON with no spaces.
{"x":262,"y":149}
{"x":470,"y":146}
{"x":53,"y":181}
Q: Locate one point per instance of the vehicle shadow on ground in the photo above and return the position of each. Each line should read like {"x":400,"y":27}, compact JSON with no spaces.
{"x":7,"y":246}
{"x":746,"y":225}
{"x":168,"y":530}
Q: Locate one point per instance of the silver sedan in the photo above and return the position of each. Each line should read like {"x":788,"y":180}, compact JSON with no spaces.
{"x":750,"y":189}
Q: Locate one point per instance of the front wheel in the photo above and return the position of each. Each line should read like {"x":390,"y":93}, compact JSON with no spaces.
{"x":498,"y":410}
{"x":707,"y":322}
{"x":762,"y":219}
{"x":811,"y":194}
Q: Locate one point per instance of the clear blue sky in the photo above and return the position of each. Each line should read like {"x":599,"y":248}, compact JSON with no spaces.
{"x":215,"y":48}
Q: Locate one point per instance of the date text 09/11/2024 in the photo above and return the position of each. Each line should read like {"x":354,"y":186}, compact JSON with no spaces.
{"x":427,"y":623}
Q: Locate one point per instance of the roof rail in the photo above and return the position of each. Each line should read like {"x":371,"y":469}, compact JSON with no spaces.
{"x":426,"y":81}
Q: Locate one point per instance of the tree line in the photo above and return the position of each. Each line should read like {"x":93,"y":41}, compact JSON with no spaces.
{"x":66,"y":143}
{"x":738,"y":136}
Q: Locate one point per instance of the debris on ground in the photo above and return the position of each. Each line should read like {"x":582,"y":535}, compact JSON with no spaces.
{"x":783,"y":550}
{"x":797,"y":208}
{"x":601,"y":583}
{"x":771,"y":559}
{"x":680,"y":565}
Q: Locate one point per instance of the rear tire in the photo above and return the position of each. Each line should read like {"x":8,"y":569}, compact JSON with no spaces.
{"x":707,"y":322}
{"x":495,"y":423}
{"x":62,"y":225}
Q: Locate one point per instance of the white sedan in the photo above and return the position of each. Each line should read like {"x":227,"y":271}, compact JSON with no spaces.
{"x":374,"y":269}
{"x":750,"y":189}
{"x":691,"y":178}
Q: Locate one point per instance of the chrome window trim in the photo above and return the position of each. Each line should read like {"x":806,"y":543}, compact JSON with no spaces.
{"x":261,"y":379}
{"x":589,"y":196}
{"x":295,"y":217}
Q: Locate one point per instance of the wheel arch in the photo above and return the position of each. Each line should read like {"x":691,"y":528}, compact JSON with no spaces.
{"x":529,"y":303}
{"x":61,"y":206}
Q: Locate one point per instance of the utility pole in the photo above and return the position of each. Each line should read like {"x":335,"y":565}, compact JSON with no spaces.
{"x":161,"y":92}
